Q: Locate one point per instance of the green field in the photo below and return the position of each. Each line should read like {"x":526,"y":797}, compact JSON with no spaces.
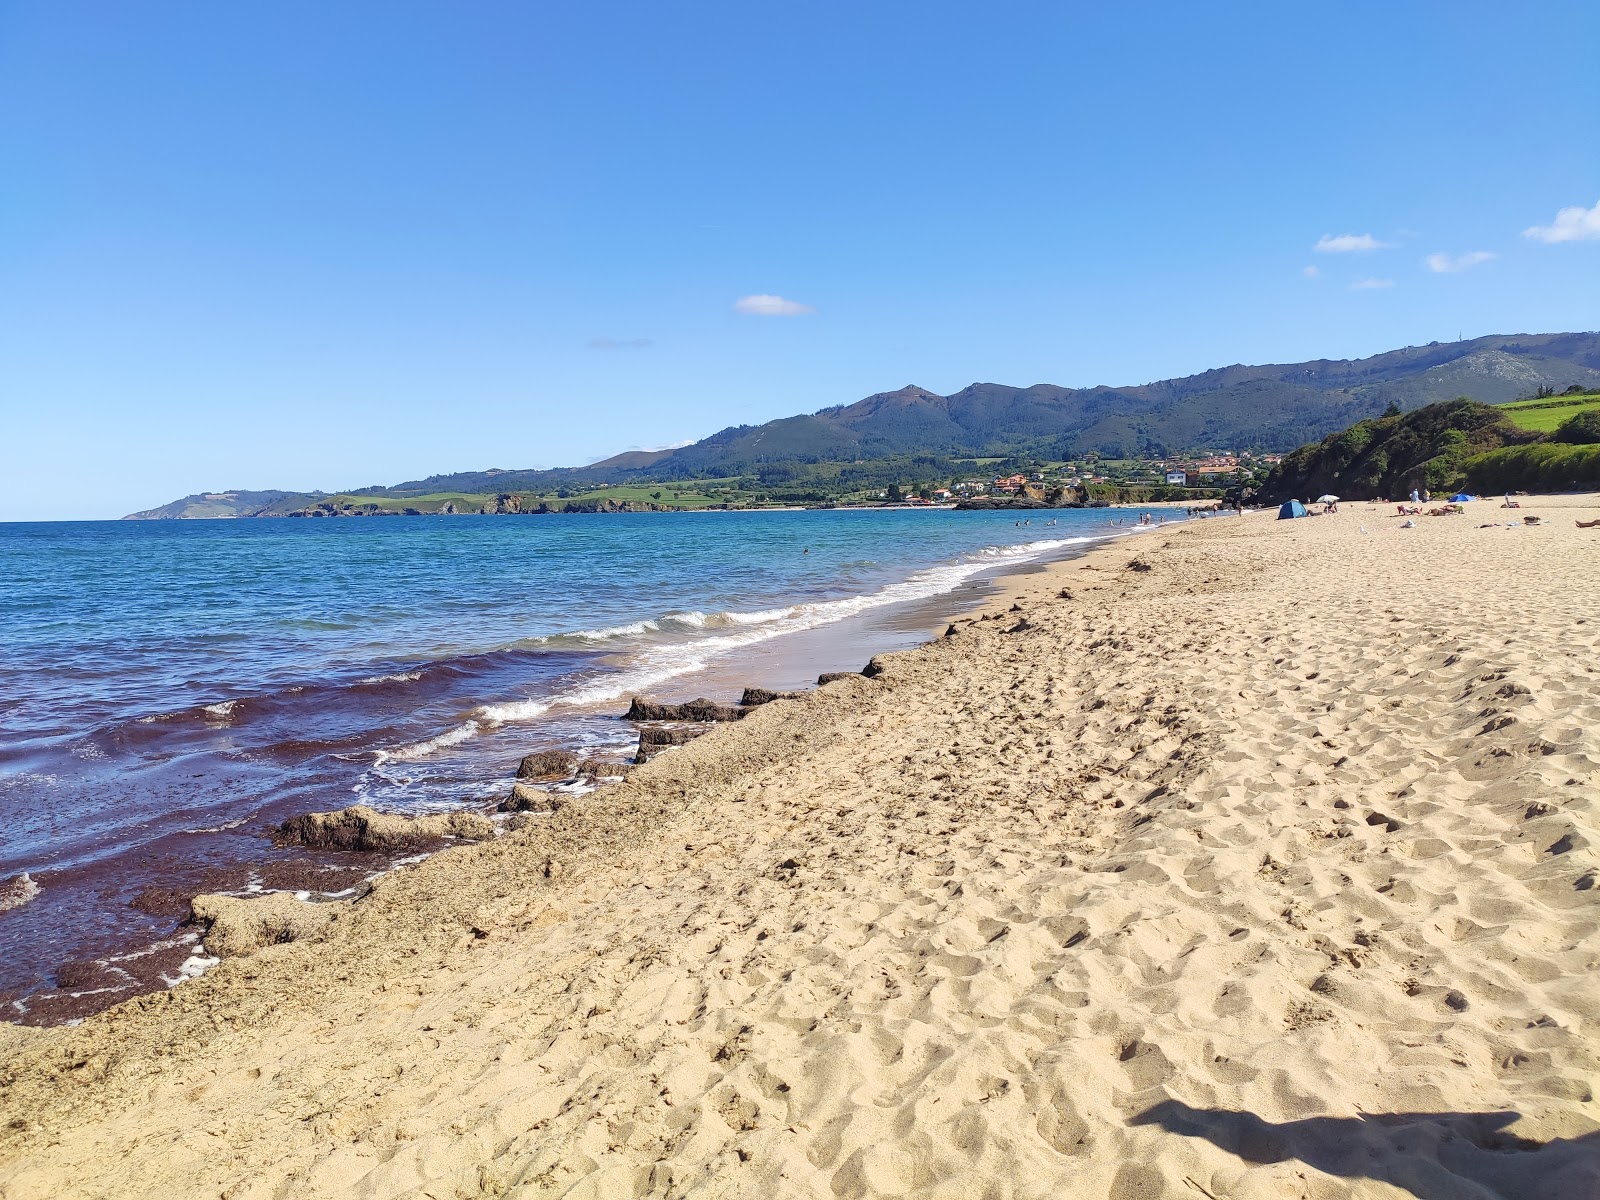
{"x":1543,"y":416}
{"x":689,"y":494}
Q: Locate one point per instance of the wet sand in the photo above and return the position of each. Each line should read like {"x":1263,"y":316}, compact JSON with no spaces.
{"x":1246,"y":859}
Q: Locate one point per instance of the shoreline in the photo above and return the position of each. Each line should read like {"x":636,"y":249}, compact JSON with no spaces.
{"x":1165,"y":848}
{"x":109,"y":971}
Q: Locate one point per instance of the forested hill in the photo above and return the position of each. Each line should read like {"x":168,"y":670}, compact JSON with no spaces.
{"x":1276,"y":407}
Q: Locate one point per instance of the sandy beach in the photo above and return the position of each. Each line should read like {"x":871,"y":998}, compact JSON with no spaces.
{"x":1240,"y":859}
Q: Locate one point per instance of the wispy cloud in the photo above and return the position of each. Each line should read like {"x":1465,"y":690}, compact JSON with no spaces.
{"x":1310,"y":272}
{"x":1363,"y":285}
{"x":1575,"y":224}
{"x":1348,"y":243}
{"x":1449,"y":264}
{"x":605,"y":343}
{"x":762,"y":305}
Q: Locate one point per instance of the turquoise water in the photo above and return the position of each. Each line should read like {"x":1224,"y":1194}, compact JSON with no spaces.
{"x":169,"y":691}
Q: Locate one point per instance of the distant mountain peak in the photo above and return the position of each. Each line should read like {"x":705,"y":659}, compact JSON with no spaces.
{"x":1274,"y":407}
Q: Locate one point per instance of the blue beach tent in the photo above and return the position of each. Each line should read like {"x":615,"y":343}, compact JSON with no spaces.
{"x":1291,"y":508}
{"x":1461,"y":498}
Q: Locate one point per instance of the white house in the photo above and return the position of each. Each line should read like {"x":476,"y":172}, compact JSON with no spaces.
{"x":1181,"y":478}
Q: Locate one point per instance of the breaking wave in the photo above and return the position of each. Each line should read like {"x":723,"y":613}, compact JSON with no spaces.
{"x":662,"y":662}
{"x":449,"y":737}
{"x":397,"y":677}
{"x":17,"y":891}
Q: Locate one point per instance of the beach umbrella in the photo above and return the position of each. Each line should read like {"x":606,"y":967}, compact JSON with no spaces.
{"x":1327,"y":498}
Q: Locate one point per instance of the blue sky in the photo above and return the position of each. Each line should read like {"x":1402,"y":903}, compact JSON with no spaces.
{"x":326,"y":245}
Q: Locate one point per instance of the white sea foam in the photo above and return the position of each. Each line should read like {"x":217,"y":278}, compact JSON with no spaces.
{"x":397,"y":677}
{"x":200,"y":961}
{"x":632,"y":629}
{"x":26,"y":778}
{"x":450,"y":737}
{"x":222,"y":828}
{"x":761,"y":617}
{"x":224,"y":709}
{"x":17,"y":891}
{"x":659,"y":664}
{"x":193,"y":967}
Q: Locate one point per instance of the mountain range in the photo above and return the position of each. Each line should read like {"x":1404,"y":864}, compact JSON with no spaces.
{"x":1274,"y":408}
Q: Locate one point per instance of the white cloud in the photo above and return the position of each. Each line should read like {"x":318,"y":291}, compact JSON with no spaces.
{"x":1575,"y":224}
{"x":1310,"y":272}
{"x":1362,"y":285}
{"x":1348,"y":243}
{"x":762,"y":305}
{"x":1448,"y":264}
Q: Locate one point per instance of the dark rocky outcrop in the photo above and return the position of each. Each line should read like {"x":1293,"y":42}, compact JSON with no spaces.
{"x":695,"y":710}
{"x":548,"y":764}
{"x":670,"y":735}
{"x":505,"y":502}
{"x":653,"y":739}
{"x":613,"y":506}
{"x":604,"y":768}
{"x":754,"y":696}
{"x":343,"y":508}
{"x":361,"y":828}
{"x":525,"y":797}
{"x":982,"y":503}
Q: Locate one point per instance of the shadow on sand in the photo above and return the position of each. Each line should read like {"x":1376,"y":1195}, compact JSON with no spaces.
{"x":1434,"y":1156}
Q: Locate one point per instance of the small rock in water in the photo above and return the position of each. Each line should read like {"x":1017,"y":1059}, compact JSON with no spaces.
{"x":548,"y":764}
{"x":695,"y":710}
{"x":361,"y":828}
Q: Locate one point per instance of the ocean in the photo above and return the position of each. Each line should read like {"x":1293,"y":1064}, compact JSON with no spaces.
{"x":170,"y":691}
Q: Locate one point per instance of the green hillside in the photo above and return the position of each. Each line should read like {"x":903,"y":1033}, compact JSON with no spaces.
{"x":1547,"y":444}
{"x":912,"y":433}
{"x":1426,"y":450}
